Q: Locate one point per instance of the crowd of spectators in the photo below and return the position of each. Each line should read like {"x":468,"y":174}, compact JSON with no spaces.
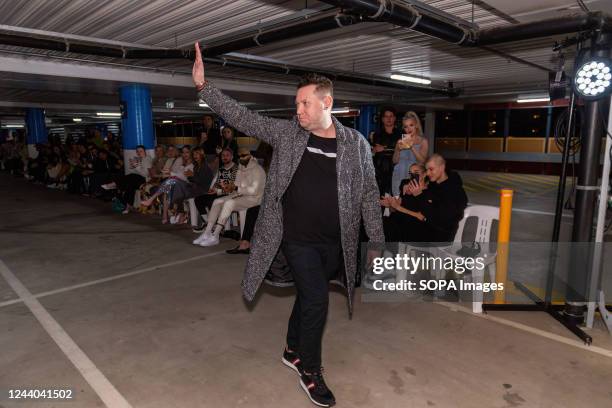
{"x":425,"y":199}
{"x":203,"y":185}
{"x":183,"y":184}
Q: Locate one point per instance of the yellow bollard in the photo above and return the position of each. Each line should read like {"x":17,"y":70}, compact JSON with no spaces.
{"x":503,"y":243}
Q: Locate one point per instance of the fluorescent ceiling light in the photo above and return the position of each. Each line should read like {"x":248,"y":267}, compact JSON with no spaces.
{"x":14,"y":126}
{"x":533,"y":99}
{"x":408,"y":78}
{"x":109,"y":114}
{"x":77,"y":119}
{"x":166,"y":121}
{"x":340,"y":110}
{"x":203,"y":105}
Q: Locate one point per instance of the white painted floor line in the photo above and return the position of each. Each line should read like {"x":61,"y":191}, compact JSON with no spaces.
{"x":126,"y":275}
{"x":529,"y":329}
{"x":100,"y":384}
{"x":112,"y":278}
{"x":541,"y":212}
{"x":10,"y":302}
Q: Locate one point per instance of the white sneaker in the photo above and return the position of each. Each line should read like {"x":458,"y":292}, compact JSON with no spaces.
{"x":109,"y":186}
{"x":210,"y":241}
{"x":201,"y":238}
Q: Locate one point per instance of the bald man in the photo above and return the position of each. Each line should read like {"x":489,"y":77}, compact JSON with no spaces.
{"x":246,"y":192}
{"x":441,"y":205}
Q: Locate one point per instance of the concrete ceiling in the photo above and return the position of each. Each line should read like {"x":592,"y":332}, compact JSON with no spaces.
{"x":67,"y":83}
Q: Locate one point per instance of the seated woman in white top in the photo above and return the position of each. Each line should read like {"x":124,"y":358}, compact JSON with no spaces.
{"x":136,"y":175}
{"x":177,"y":174}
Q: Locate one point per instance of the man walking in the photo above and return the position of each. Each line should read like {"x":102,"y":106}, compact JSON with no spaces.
{"x":321,"y":183}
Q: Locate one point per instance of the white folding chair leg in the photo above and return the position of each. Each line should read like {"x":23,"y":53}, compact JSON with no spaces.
{"x":193,"y":212}
{"x":477,"y":295}
{"x":242,"y":220}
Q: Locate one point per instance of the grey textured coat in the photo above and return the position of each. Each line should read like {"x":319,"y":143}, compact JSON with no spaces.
{"x":358,"y":195}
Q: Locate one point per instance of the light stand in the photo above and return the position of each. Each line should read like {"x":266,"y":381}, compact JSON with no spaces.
{"x":570,"y":314}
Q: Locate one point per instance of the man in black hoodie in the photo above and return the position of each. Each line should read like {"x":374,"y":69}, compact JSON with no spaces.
{"x":441,"y":205}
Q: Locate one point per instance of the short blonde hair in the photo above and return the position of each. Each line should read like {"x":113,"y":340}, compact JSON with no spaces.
{"x":412,"y":115}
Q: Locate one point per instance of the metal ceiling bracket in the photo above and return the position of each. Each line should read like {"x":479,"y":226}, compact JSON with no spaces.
{"x":256,"y":38}
{"x":381,"y":9}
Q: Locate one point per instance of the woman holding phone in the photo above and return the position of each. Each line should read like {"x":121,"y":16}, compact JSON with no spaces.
{"x":410,"y":149}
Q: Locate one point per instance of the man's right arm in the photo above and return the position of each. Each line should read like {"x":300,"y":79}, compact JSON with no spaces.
{"x":248,"y":122}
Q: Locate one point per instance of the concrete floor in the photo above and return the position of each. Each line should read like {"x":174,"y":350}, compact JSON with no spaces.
{"x":177,"y":333}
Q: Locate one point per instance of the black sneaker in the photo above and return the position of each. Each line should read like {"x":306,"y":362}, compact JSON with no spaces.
{"x":292,"y":360}
{"x":316,"y":389}
{"x":199,"y":228}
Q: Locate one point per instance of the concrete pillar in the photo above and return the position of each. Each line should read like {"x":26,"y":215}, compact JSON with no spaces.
{"x":137,"y":120}
{"x":365,"y":121}
{"x":36,"y":130}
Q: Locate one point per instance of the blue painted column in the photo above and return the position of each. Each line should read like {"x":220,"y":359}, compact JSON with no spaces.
{"x":365,"y":121}
{"x":136,"y":120}
{"x":36,"y":130}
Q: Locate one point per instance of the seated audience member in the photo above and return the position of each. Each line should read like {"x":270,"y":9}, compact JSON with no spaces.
{"x":405,"y":223}
{"x":244,"y":244}
{"x":246,"y":192}
{"x":199,"y":178}
{"x":136,"y":175}
{"x":157,"y":165}
{"x":37,"y":166}
{"x":441,"y":205}
{"x":173,"y":161}
{"x":225,"y":177}
{"x":228,"y":141}
{"x":58,"y":168}
{"x":178,"y":173}
{"x":104,"y":170}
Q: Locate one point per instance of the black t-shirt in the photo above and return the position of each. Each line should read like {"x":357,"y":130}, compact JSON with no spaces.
{"x":388,"y":140}
{"x":310,"y":204}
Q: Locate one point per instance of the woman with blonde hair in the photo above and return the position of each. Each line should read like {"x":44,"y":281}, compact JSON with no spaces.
{"x":410,"y":149}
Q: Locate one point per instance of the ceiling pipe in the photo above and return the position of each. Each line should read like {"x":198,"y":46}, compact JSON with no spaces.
{"x":406,"y":15}
{"x":306,"y":27}
{"x":309,"y":25}
{"x":349,"y":77}
{"x":277,"y":68}
{"x":561,"y":25}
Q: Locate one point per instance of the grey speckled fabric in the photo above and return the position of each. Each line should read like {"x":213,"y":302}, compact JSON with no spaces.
{"x":357,"y":190}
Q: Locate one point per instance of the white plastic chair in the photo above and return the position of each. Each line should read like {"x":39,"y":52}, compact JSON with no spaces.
{"x":485,"y":215}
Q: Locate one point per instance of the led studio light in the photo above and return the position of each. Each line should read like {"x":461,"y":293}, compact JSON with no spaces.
{"x":593,"y":78}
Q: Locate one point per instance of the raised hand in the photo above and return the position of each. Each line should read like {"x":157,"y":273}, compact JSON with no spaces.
{"x":197,"y":73}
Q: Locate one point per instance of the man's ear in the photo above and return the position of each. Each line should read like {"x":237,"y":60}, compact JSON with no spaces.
{"x":328,"y":102}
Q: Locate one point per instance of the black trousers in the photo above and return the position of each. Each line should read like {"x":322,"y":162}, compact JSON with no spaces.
{"x":249,"y":223}
{"x":204,"y":202}
{"x":401,"y":227}
{"x":312,"y":266}
{"x":128,"y":185}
